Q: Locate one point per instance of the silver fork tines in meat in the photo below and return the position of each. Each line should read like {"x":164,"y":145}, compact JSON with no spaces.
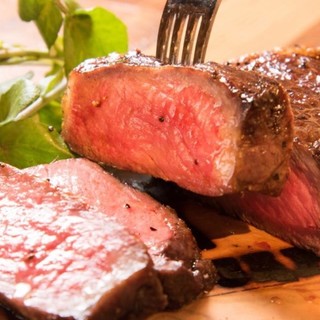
{"x":184,"y":30}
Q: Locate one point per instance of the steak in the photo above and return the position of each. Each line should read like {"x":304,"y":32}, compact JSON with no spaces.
{"x":201,"y":127}
{"x":61,"y":259}
{"x":170,"y":243}
{"x":295,"y":214}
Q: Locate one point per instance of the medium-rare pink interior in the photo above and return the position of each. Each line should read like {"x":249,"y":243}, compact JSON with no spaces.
{"x":101,"y":190}
{"x":184,"y":275}
{"x":187,"y":125}
{"x":294,"y":215}
{"x":61,"y":259}
{"x":170,"y":118}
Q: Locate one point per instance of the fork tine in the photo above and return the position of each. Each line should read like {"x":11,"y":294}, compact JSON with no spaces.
{"x":203,"y":36}
{"x":201,"y":45}
{"x":184,"y":30}
{"x":176,"y":38}
{"x":166,"y":23}
{"x":189,"y":39}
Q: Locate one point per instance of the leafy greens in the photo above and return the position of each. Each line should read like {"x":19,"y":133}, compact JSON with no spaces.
{"x":30,"y":113}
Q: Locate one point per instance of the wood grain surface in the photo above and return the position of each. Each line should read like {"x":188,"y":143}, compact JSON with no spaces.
{"x":289,"y":289}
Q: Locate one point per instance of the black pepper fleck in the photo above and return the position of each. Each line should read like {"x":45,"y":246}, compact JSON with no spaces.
{"x":276,"y":177}
{"x":127,"y":206}
{"x":196,"y":162}
{"x":161,"y":119}
{"x":153,"y":229}
{"x":50,"y":128}
{"x":30,"y":255}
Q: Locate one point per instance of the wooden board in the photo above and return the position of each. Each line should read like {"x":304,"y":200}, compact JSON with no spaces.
{"x":263,"y":277}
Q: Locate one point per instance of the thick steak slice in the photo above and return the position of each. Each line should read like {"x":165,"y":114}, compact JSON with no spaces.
{"x":201,"y":127}
{"x":295,"y":214}
{"x":61,"y":259}
{"x":170,"y":243}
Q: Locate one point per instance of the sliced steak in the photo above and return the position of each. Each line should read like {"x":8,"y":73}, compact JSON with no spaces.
{"x":61,"y":259}
{"x":295,"y":214}
{"x":169,"y":241}
{"x":201,"y":127}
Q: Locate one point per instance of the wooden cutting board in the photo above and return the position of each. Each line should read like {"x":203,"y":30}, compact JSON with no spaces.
{"x":263,"y":278}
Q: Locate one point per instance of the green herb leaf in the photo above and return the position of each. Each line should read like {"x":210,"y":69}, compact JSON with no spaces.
{"x":29,"y":142}
{"x":51,"y":116}
{"x":5,"y":86}
{"x":92,"y":33}
{"x":51,"y":81}
{"x":29,"y":9}
{"x":31,"y":115}
{"x":71,"y":5}
{"x":20,"y":95}
{"x":46,"y":15}
{"x":49,"y":21}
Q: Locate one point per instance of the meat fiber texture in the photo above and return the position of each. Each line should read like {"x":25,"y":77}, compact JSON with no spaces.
{"x":295,"y":214}
{"x":183,"y":274}
{"x":61,"y":259}
{"x":211,"y":129}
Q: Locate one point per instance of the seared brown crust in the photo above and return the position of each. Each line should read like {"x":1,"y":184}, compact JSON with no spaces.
{"x":294,"y":215}
{"x":298,"y":69}
{"x":261,"y":142}
{"x":265,"y":115}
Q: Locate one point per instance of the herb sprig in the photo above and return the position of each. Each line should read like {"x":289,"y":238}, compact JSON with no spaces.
{"x":30,"y":113}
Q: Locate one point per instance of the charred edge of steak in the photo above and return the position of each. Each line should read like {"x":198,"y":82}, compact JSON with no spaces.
{"x":298,"y":70}
{"x":8,"y":313}
{"x":185,"y":284}
{"x":266,"y":115}
{"x":184,"y":275}
{"x":184,"y":278}
{"x":266,"y":125}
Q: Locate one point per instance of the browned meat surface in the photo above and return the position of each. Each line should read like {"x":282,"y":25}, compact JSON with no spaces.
{"x":201,"y":127}
{"x":295,"y":214}
{"x":3,"y":314}
{"x":61,"y":259}
{"x":298,"y":70}
{"x":170,"y":243}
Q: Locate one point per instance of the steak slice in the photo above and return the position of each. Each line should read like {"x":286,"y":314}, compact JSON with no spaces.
{"x":200,"y":127}
{"x":295,"y":214}
{"x":170,"y":243}
{"x":61,"y":259}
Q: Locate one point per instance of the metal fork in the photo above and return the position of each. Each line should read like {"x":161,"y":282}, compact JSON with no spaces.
{"x":184,"y":30}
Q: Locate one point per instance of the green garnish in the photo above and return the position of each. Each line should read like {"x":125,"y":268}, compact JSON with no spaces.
{"x":30,"y":113}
